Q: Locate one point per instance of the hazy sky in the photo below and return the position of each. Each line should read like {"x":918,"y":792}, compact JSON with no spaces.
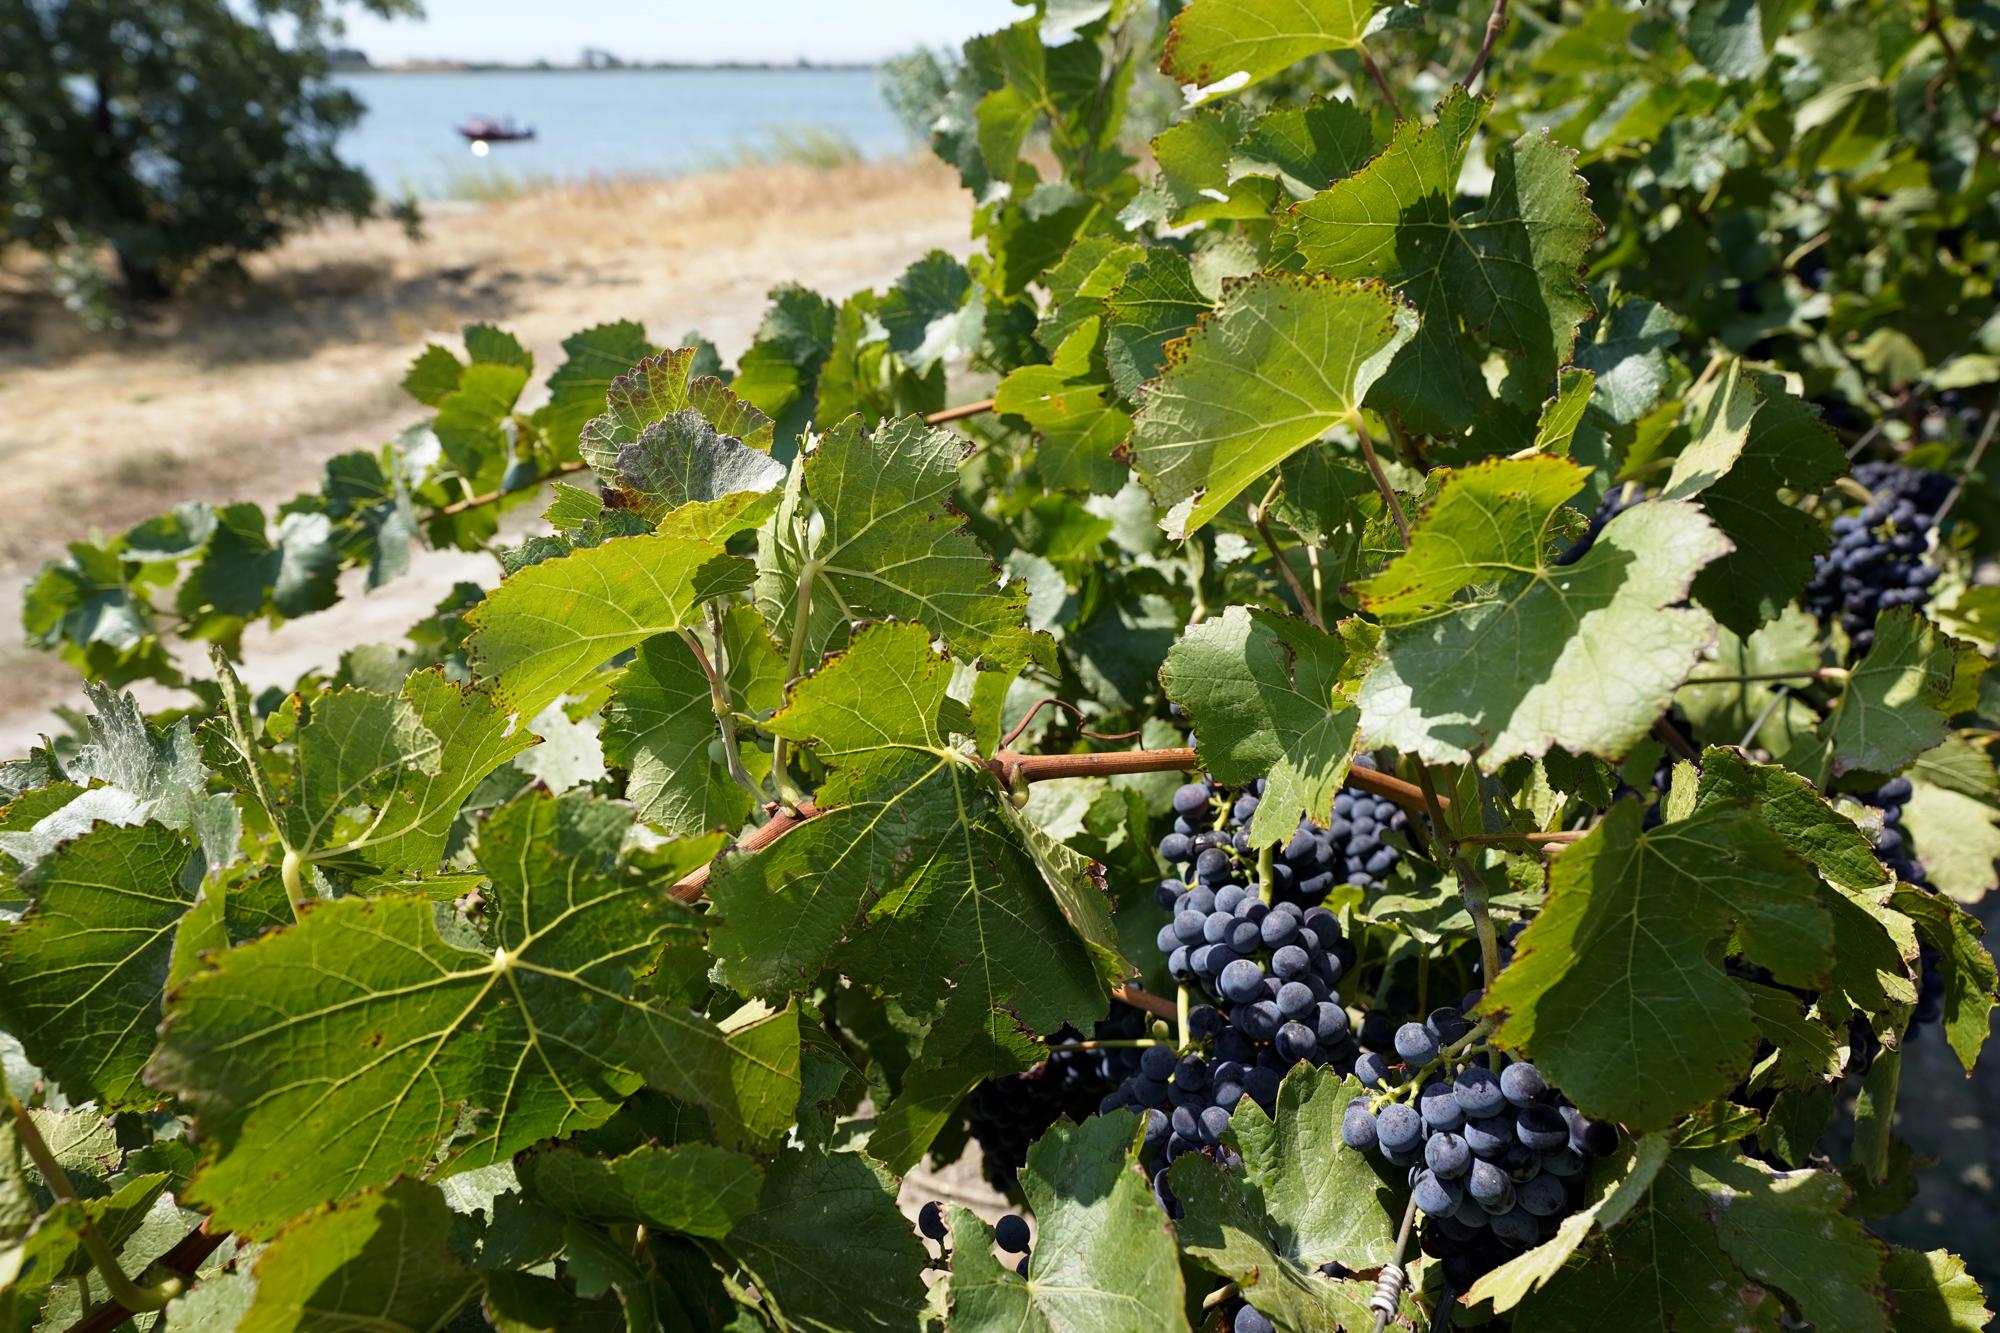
{"x":691,"y":30}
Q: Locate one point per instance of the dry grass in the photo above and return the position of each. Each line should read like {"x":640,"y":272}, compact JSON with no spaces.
{"x":242,"y":390}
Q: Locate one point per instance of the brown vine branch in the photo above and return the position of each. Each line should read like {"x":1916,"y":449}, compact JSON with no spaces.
{"x":958,"y":413}
{"x":1260,"y":518}
{"x":1496,"y":23}
{"x":187,"y":1256}
{"x":1382,"y":84}
{"x":1049,"y":700}
{"x":1382,"y":482}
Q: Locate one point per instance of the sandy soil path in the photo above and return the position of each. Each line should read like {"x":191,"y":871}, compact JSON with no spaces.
{"x":243,"y":394}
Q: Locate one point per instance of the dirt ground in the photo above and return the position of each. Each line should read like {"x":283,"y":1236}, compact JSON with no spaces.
{"x":242,"y":391}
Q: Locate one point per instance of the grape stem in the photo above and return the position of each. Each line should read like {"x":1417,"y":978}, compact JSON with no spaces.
{"x":1138,"y":998}
{"x":1413,"y":1082}
{"x":127,"y":1294}
{"x":718,"y":698}
{"x":1761,"y":677}
{"x":1218,"y":1296}
{"x":1972,"y":459}
{"x":1109,"y":1044}
{"x":781,"y":779}
{"x":1183,"y":1029}
{"x":1496,"y":23}
{"x":1382,"y":485}
{"x":1260,"y":518}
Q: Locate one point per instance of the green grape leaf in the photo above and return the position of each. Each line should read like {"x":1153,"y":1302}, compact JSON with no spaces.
{"x":916,"y":852}
{"x":246,"y":567}
{"x":1627,"y":348}
{"x":886,"y":543}
{"x":1218,"y":46}
{"x":1752,"y":443}
{"x":681,"y":461}
{"x":1064,"y":402}
{"x":1956,"y":831}
{"x":432,"y":375}
{"x":1873,"y":945}
{"x":488,"y":345}
{"x":1271,"y":697}
{"x":130,"y":774}
{"x":592,"y":359}
{"x":407,"y":762}
{"x":1157,"y":303}
{"x":1103,"y":1257}
{"x":660,"y":726}
{"x":1966,"y":964}
{"x":546,"y":627}
{"x":1582,"y":655}
{"x":1283,"y":359}
{"x":1091,"y":269}
{"x":1616,"y":1188}
{"x":697,"y":1189}
{"x":1666,"y":1266}
{"x":1793,"y":1231}
{"x":1615,"y":987}
{"x":657,"y":387}
{"x":1893,"y":708}
{"x":1292,"y":1208}
{"x":381,"y":1261}
{"x":394,"y":1038}
{"x":1306,"y":148}
{"x":1319,"y":1209}
{"x":1930,"y":1292}
{"x":934,"y":312}
{"x":1509,"y":269}
{"x":827,"y":1247}
{"x":82,"y":971}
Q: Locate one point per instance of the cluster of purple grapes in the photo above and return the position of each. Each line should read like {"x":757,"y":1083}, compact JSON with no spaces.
{"x":1496,"y":1160}
{"x":1877,"y":560}
{"x":1268,"y":967}
{"x":1892,"y":845}
{"x":1007,"y":1115}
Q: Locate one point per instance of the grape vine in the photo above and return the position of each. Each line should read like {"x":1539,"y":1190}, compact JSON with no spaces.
{"x":1379,"y":704}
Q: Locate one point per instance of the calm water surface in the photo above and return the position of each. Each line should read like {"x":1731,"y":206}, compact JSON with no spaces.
{"x":652,"y":122}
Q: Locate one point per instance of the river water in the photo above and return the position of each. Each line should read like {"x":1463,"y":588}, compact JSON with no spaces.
{"x":600,"y":122}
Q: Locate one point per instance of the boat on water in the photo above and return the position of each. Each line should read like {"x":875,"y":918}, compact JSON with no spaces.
{"x":487,"y":129}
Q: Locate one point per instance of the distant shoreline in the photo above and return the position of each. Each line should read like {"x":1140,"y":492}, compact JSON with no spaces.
{"x":447,"y":67}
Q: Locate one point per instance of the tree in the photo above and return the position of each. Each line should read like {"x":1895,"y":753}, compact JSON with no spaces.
{"x":174,"y":132}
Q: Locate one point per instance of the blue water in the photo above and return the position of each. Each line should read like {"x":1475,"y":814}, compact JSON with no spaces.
{"x":608,"y":122}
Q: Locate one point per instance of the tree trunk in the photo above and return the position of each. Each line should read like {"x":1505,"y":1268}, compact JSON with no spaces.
{"x":143,"y":282}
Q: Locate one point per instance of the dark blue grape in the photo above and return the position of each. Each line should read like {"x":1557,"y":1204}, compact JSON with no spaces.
{"x":1398,"y":1128}
{"x":1437,"y":1197}
{"x":930,"y":1220}
{"x":1447,"y":1155}
{"x":1439,"y":1108}
{"x":1242,"y":982}
{"x":1157,"y":1062}
{"x":1010,"y":1233}
{"x":1522,"y":1084}
{"x":1295,"y":1041}
{"x":1489,"y":1186}
{"x":1357,"y":1126}
{"x":1489,"y":1136}
{"x":1541,"y":1128}
{"x":1415,"y":1044}
{"x":1543,"y":1196}
{"x":1191,"y":799}
{"x":1249,"y":1320}
{"x":1478,"y":1091}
